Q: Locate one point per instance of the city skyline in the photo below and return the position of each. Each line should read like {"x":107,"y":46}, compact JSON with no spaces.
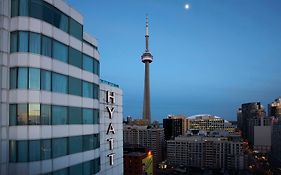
{"x":208,"y":59}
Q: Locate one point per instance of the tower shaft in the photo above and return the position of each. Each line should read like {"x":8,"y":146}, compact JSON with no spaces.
{"x":146,"y":101}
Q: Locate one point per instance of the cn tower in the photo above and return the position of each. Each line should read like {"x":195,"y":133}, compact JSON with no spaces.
{"x":146,"y":59}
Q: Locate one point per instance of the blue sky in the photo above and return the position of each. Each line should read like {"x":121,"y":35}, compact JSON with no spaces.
{"x":208,"y":59}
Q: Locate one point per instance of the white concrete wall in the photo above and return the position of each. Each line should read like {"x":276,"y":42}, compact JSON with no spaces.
{"x":117,"y":123}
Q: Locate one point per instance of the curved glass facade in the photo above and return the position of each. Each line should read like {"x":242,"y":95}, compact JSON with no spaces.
{"x":42,"y":10}
{"x":22,"y":41}
{"x":39,"y":79}
{"x":36,"y":150}
{"x":45,"y":114}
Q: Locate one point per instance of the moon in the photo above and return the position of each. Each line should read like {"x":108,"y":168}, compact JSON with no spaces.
{"x":186,"y":6}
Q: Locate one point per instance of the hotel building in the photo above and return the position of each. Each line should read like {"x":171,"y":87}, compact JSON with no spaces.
{"x":53,"y":106}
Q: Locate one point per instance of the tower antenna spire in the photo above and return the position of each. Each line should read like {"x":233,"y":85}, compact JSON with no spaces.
{"x":146,"y":34}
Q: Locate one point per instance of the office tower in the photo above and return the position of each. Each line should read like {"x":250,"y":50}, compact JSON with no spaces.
{"x":246,"y":112}
{"x":276,"y":143}
{"x":206,"y":152}
{"x":274,"y":109}
{"x":174,"y":126}
{"x":146,"y":59}
{"x":209,"y":123}
{"x":50,"y":88}
{"x":151,"y":138}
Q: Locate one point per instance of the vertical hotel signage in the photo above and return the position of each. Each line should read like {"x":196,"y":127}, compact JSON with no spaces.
{"x":110,"y":100}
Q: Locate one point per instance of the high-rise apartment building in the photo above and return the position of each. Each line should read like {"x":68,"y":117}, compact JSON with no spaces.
{"x":206,"y":152}
{"x":276,"y":143}
{"x":51,"y":120}
{"x":151,"y":138}
{"x":274,"y":108}
{"x":246,"y":112}
{"x":174,"y":126}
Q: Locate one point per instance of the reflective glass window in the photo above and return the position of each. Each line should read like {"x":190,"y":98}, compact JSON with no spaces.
{"x":34,"y":150}
{"x":96,"y":116}
{"x":88,"y":63}
{"x":45,"y":80}
{"x":75,"y":115}
{"x":60,"y":51}
{"x":34,"y":114}
{"x":23,"y":42}
{"x":45,"y":114}
{"x":15,"y":8}
{"x":88,"y":142}
{"x":75,"y":144}
{"x":75,"y":57}
{"x":36,"y":9}
{"x":87,"y":89}
{"x":61,"y":172}
{"x":59,"y":147}
{"x":13,"y":78}
{"x":75,"y":86}
{"x":13,"y":151}
{"x":88,"y":168}
{"x":46,"y":46}
{"x":59,"y":83}
{"x":45,"y":149}
{"x":60,"y":20}
{"x":96,"y":141}
{"x":96,"y":91}
{"x":14,"y":42}
{"x":23,"y":7}
{"x":76,"y":169}
{"x":22,"y":114}
{"x":88,"y":116}
{"x":22,"y":150}
{"x":96,"y":164}
{"x":13,"y":114}
{"x":75,"y":29}
{"x":59,"y":115}
{"x":22,"y":78}
{"x":48,"y":13}
{"x":96,"y":67}
{"x":34,"y":42}
{"x":34,"y":78}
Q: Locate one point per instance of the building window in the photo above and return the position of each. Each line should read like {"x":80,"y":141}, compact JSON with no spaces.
{"x":46,"y":149}
{"x":34,"y":114}
{"x":96,"y":165}
{"x":96,"y":67}
{"x":88,"y":63}
{"x":45,"y":80}
{"x":23,"y":42}
{"x":15,"y":8}
{"x":34,"y":150}
{"x":76,"y":169}
{"x":13,"y":151}
{"x":59,"y":147}
{"x":34,"y":42}
{"x":23,"y":7}
{"x":96,"y":91}
{"x":75,"y":86}
{"x":75,"y":115}
{"x":22,"y":113}
{"x":14,"y":42}
{"x":61,"y":172}
{"x":88,"y":142}
{"x":59,"y":83}
{"x":75,"y":144}
{"x":88,"y":168}
{"x":13,"y":115}
{"x":34,"y":78}
{"x":75,"y":29}
{"x":13,"y":78}
{"x":96,"y":116}
{"x":59,"y":115}
{"x":87,"y":89}
{"x":75,"y":57}
{"x":45,"y":114}
{"x":88,"y":116}
{"x":46,"y":46}
{"x":60,"y":51}
{"x":22,"y":78}
{"x":22,"y":149}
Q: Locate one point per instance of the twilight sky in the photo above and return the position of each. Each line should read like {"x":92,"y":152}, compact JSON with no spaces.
{"x":208,"y":59}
